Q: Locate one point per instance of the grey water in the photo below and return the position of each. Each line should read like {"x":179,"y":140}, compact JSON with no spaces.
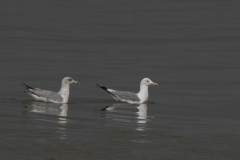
{"x":190,"y":48}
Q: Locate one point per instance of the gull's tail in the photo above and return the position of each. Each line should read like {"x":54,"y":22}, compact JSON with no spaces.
{"x":29,"y":90}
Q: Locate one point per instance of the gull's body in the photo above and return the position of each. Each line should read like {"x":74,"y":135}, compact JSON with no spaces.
{"x":50,"y":96}
{"x":130,"y":97}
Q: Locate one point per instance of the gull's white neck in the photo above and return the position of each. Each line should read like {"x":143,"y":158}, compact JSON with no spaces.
{"x":143,"y":93}
{"x":64,"y":92}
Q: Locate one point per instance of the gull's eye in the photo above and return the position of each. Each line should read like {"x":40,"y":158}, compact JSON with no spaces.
{"x":70,"y":79}
{"x":147,"y":81}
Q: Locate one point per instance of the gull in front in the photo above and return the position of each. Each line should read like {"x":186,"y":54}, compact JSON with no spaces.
{"x":130,"y":97}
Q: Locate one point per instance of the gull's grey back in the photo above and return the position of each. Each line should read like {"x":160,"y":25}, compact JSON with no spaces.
{"x":48,"y":94}
{"x":126,"y":95}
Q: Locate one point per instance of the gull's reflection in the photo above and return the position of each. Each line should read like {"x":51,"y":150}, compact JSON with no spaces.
{"x":48,"y":108}
{"x":142,"y":116}
{"x":123,"y":112}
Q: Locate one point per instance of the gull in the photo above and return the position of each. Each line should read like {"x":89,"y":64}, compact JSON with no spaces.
{"x":129,"y":97}
{"x":50,"y":96}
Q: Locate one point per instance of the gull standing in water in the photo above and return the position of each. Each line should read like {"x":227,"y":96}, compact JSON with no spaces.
{"x":130,"y":97}
{"x":50,"y":96}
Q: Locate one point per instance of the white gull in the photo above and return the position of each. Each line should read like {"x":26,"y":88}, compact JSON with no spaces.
{"x":130,"y":97}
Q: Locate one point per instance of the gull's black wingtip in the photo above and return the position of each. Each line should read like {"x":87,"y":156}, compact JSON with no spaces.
{"x":105,"y":88}
{"x":26,"y":86}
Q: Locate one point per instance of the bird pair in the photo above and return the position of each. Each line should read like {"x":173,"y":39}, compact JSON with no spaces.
{"x":63,"y":95}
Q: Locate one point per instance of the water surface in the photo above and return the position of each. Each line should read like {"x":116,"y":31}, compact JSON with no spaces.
{"x":190,"y":48}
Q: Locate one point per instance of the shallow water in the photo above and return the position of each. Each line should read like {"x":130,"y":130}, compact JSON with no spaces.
{"x":189,"y":48}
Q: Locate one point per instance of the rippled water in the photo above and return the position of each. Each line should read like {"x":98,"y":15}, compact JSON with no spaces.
{"x":190,"y":48}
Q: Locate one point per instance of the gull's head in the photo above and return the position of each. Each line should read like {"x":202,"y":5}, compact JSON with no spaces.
{"x":69,"y":80}
{"x":147,"y":82}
